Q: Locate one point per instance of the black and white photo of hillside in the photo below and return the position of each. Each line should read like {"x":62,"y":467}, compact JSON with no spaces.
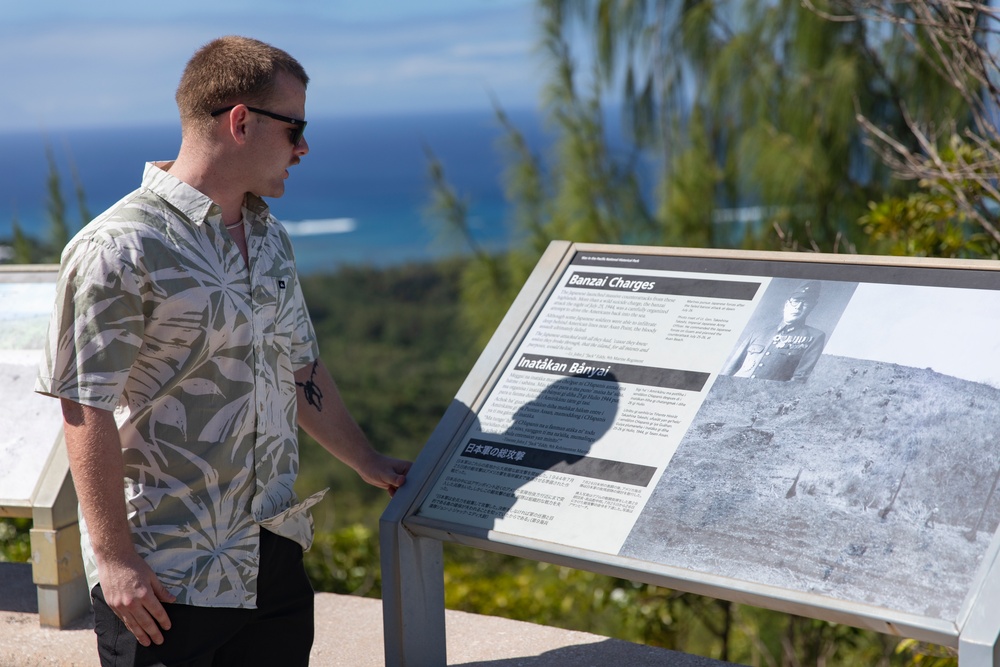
{"x":874,"y":481}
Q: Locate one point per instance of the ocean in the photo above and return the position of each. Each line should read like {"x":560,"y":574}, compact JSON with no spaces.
{"x":359,"y":197}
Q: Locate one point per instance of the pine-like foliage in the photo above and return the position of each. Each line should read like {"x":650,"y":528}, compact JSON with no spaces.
{"x":742,"y":128}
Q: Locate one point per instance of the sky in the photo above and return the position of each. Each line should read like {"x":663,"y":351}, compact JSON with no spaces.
{"x":108,"y":63}
{"x":911,"y":330}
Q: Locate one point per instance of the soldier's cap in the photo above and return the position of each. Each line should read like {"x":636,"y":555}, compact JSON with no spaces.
{"x":807,"y":292}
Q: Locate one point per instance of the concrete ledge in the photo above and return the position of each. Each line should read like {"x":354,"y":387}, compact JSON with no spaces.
{"x":348,"y":634}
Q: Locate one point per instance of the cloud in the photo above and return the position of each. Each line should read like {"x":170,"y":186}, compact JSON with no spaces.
{"x":515,"y":48}
{"x":73,"y":71}
{"x":103,"y":73}
{"x":921,"y":326}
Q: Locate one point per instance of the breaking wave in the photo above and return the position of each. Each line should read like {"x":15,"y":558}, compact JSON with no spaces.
{"x":317,"y":227}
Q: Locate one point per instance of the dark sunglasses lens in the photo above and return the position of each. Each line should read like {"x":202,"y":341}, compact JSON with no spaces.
{"x":296,"y":135}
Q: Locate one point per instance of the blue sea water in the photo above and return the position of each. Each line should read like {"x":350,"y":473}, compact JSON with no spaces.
{"x":359,"y":197}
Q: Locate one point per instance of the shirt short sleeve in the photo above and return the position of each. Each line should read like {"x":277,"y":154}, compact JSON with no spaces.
{"x":96,"y":328}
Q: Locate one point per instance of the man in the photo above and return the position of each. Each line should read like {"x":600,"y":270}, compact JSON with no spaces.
{"x":185,"y":360}
{"x":788,"y":351}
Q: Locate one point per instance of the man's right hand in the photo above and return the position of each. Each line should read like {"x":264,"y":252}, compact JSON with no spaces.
{"x":134,"y":593}
{"x":129,"y":585}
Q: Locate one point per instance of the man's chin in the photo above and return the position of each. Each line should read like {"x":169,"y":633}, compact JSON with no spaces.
{"x":271,"y":193}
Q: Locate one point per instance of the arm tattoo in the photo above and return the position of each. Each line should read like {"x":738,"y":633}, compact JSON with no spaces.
{"x":313,"y":394}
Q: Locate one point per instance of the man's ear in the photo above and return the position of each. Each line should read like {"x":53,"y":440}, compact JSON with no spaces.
{"x":238,"y":118}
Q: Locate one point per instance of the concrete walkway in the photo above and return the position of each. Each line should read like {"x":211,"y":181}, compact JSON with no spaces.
{"x":348,"y":634}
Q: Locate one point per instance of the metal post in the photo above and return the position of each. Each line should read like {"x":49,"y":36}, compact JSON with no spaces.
{"x":57,"y":563}
{"x":977,"y":645}
{"x":412,"y":597}
{"x":978,"y":638}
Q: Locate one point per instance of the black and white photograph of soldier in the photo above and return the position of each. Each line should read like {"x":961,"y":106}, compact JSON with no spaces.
{"x":780,"y":344}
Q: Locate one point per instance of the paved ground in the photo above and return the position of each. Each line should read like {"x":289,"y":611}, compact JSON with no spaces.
{"x":348,"y":634}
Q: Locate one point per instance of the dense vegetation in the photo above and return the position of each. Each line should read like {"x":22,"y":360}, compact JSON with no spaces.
{"x":829,"y":125}
{"x":394,"y":342}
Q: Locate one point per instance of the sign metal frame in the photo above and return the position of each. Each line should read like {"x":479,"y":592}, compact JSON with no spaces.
{"x":412,"y":564}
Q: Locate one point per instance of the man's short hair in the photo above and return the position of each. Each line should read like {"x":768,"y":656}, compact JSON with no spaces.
{"x":230,"y":70}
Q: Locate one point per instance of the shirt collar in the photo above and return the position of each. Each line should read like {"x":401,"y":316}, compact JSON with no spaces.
{"x":256,"y":208}
{"x":191,"y":202}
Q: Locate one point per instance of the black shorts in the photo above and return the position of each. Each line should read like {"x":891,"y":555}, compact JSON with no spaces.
{"x":278,"y":632}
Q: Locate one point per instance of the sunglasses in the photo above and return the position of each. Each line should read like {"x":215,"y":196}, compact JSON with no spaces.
{"x":295,"y":135}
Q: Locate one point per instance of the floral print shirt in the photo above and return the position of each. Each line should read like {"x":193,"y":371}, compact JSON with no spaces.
{"x":158,"y":318}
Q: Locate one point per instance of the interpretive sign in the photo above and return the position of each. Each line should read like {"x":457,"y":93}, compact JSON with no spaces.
{"x":34,"y":468}
{"x":815,"y":434}
{"x":31,"y":423}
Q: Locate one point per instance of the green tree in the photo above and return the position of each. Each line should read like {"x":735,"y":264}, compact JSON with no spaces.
{"x":393,"y":340}
{"x":28,"y":250}
{"x":15,"y":544}
{"x":58,"y":233}
{"x":756,"y":102}
{"x":954,"y":163}
{"x":80,"y":193}
{"x":24,"y":250}
{"x":747,"y":123}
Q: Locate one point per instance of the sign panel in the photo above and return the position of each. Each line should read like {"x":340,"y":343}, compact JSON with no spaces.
{"x":824,"y":428}
{"x":31,"y":423}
